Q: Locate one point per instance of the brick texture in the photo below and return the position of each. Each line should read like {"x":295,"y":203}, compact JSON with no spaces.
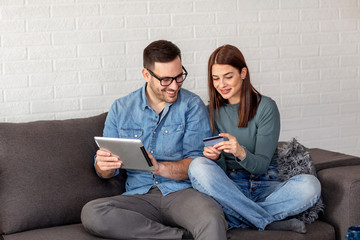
{"x":71,"y":58}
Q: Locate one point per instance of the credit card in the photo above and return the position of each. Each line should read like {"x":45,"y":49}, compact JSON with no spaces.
{"x":211,"y":141}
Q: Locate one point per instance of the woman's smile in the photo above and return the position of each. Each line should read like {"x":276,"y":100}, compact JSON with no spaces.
{"x":225,"y":91}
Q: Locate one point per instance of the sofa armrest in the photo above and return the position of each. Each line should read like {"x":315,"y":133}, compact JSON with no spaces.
{"x":328,"y":159}
{"x":341,"y":193}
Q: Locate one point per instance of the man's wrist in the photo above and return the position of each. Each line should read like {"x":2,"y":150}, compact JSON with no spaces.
{"x":105,"y":173}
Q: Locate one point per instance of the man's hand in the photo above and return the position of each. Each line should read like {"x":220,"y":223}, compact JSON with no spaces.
{"x":157,"y":165}
{"x":177,"y":170}
{"x":107,"y":163}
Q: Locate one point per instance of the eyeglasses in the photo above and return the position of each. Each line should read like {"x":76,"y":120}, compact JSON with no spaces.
{"x":166,"y":81}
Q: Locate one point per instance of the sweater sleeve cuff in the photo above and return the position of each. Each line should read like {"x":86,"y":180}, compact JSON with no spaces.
{"x":241,"y":159}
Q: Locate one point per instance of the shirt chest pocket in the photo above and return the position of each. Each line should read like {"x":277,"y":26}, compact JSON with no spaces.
{"x":172,"y":140}
{"x":131,"y":133}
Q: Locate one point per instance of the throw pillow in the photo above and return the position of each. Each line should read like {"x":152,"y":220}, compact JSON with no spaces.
{"x":294,"y":159}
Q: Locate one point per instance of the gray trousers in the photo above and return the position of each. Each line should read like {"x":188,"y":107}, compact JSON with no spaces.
{"x":154,"y":216}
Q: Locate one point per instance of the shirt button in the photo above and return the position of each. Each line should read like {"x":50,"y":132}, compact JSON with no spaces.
{"x":136,"y":135}
{"x":166,"y":131}
{"x":151,"y":152}
{"x":154,"y":132}
{"x":156,"y":182}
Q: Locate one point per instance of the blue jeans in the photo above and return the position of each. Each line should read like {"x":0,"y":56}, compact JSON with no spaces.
{"x":254,"y":201}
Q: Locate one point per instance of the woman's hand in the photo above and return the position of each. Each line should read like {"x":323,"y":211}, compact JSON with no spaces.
{"x":212,"y":153}
{"x":232,"y":146}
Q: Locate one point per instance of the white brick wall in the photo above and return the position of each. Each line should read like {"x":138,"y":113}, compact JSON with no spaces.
{"x":71,"y":58}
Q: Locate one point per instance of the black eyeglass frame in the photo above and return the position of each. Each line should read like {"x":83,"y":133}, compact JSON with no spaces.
{"x":184,"y":74}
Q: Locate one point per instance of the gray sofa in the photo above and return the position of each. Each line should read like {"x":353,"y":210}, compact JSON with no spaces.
{"x":47,"y":175}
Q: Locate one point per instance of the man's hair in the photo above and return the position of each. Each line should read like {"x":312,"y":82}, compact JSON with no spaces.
{"x":160,"y":51}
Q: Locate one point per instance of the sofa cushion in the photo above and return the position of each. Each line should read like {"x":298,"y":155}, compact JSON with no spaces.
{"x":47,"y":172}
{"x":317,"y":230}
{"x":68,"y":232}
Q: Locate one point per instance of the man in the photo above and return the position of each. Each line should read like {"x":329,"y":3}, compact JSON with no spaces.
{"x":171,"y":122}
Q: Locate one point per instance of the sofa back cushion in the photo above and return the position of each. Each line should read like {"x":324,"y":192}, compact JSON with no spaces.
{"x":47,"y":172}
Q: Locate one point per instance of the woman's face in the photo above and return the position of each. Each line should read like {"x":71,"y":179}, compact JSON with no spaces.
{"x":227,"y":81}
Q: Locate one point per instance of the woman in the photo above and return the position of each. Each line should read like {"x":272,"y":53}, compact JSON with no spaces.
{"x":240,"y":172}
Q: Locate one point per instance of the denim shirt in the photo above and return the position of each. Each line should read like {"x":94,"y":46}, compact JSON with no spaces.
{"x":174,"y":135}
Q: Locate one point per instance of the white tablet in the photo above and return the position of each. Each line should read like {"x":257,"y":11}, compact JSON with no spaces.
{"x":131,"y":152}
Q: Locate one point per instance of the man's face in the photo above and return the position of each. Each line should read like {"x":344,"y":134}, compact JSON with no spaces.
{"x":163,"y":94}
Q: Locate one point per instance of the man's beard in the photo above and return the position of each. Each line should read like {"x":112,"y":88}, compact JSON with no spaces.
{"x":163,"y":95}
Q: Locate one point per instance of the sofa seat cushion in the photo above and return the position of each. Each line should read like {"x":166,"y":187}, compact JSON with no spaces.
{"x":68,"y":232}
{"x":315,"y":231}
{"x":47,"y":172}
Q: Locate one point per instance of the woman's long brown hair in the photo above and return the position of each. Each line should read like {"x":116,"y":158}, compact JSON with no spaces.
{"x":249,"y":96}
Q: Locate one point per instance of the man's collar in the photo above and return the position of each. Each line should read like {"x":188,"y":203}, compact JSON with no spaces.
{"x":144,"y":101}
